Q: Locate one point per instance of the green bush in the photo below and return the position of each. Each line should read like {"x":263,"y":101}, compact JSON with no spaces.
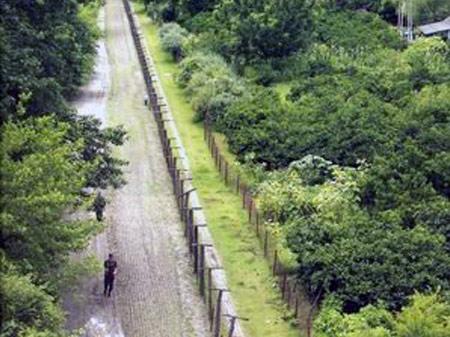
{"x":424,"y":316}
{"x":346,"y":251}
{"x":258,"y":125}
{"x":355,"y":30}
{"x":211,"y":85}
{"x":25,"y":305}
{"x":42,"y":175}
{"x":259,"y":30}
{"x":198,"y":62}
{"x":46,"y":52}
{"x":173,"y":38}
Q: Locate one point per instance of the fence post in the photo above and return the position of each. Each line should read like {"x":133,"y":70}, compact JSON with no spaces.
{"x":288,"y":291}
{"x":218,"y":312}
{"x":185,"y":201}
{"x":177,"y":181}
{"x":190,"y":219}
{"x":195,"y":243}
{"x":275,"y":262}
{"x":210,"y":141}
{"x":233,"y":323}
{"x":201,"y":269}
{"x":210,"y":301}
{"x":283,"y":285}
{"x":173,"y":175}
{"x":266,"y":239}
{"x":226,"y":173}
{"x":244,"y":197}
{"x":216,"y":154}
{"x":258,"y":220}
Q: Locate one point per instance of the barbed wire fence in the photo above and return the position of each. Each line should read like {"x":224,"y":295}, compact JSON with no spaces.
{"x":291,"y":291}
{"x":206,"y":263}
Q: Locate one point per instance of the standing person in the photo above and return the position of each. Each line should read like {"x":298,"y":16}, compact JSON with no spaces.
{"x":99,"y":206}
{"x":110,"y":273}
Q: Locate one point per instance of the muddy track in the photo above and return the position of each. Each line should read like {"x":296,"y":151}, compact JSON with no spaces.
{"x":155,"y":293}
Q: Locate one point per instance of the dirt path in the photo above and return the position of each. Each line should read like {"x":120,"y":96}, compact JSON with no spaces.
{"x":155,"y":294}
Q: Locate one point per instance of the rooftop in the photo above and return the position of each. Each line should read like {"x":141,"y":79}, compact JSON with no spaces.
{"x":436,"y":27}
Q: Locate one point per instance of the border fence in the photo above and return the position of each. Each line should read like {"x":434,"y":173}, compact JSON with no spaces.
{"x":206,"y":263}
{"x":291,"y":291}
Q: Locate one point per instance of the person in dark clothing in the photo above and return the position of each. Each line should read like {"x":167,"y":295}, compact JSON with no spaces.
{"x":99,"y":206}
{"x":110,"y":273}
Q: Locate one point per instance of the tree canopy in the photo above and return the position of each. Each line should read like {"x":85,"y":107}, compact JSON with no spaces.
{"x":48,"y":153}
{"x":355,"y":155}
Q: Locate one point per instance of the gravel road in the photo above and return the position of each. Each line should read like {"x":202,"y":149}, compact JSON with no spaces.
{"x":155,"y":293}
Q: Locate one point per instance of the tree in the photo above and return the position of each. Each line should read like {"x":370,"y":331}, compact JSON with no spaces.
{"x":343,"y":250}
{"x":47,"y":51}
{"x":258,"y":125}
{"x":27,"y":307}
{"x":211,"y":85}
{"x":97,"y":150}
{"x":173,"y":38}
{"x":42,"y":176}
{"x":426,"y":315}
{"x":428,"y":11}
{"x":248,"y":30}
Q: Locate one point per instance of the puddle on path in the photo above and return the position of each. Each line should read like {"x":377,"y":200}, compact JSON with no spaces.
{"x":98,"y":327}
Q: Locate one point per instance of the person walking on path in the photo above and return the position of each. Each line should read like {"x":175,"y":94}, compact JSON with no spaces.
{"x":99,"y":206}
{"x":110,"y":266}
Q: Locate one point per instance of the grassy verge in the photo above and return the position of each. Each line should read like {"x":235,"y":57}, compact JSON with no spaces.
{"x":248,"y":273}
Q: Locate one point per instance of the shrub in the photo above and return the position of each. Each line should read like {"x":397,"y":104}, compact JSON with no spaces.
{"x":173,"y":38}
{"x":312,"y":169}
{"x":210,"y":83}
{"x":213,"y":93}
{"x":26,"y":305}
{"x":198,"y":62}
{"x":351,"y":29}
{"x":424,"y":316}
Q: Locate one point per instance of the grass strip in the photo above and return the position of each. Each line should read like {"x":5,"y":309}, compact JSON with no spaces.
{"x":248,"y":273}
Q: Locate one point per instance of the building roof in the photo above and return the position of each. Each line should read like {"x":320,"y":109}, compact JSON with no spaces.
{"x":436,"y":27}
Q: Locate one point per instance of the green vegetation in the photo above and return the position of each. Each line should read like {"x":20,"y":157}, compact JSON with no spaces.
{"x":248,"y":274}
{"x":47,"y":155}
{"x":425,"y":315}
{"x":350,"y":129}
{"x":341,"y":128}
{"x":341,"y":249}
{"x":173,"y":38}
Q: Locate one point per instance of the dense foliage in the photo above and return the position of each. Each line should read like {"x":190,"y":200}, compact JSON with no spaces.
{"x":47,"y":50}
{"x":343,"y":249}
{"x":47,"y":155}
{"x":173,"y":39}
{"x":423,"y":316}
{"x":248,"y":30}
{"x":356,"y":155}
{"x":210,"y":83}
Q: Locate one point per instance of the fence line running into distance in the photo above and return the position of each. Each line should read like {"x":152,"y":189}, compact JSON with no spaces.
{"x":290,"y":290}
{"x":205,"y":259}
